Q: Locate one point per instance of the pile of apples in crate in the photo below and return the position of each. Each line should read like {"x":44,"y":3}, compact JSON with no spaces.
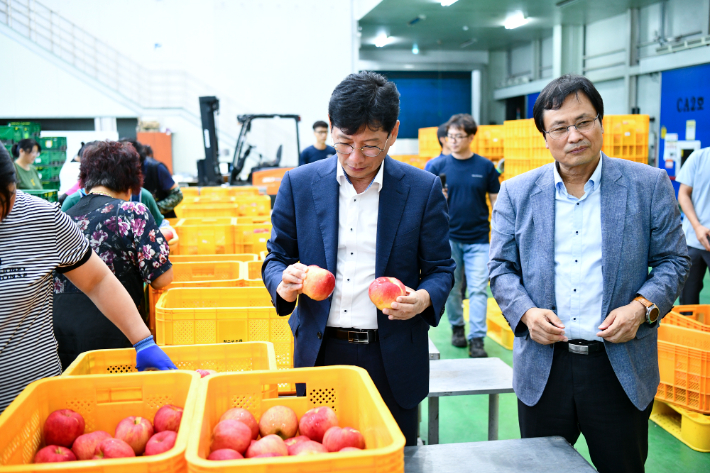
{"x":66,"y":441}
{"x":235,"y":436}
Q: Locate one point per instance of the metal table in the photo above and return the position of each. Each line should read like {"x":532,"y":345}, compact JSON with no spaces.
{"x":433,"y":351}
{"x":464,"y":376}
{"x":538,"y":455}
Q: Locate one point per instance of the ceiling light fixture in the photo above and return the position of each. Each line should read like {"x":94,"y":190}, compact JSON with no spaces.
{"x":447,"y":3}
{"x":465,"y":28}
{"x":415,"y":49}
{"x":515,"y":20}
{"x":383,"y":40}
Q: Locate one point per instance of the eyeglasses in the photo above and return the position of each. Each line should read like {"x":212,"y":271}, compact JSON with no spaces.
{"x":321,"y":132}
{"x":581,"y":126}
{"x":457,"y":137}
{"x":369,"y":151}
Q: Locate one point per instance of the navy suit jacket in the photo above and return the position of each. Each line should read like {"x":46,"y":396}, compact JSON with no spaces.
{"x":412,"y":246}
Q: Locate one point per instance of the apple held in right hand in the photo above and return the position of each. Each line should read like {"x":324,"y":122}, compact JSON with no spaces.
{"x":319,"y":283}
{"x":384,"y":291}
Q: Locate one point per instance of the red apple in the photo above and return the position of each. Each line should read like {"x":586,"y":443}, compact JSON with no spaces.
{"x":319,"y":283}
{"x":167,"y":418}
{"x":231,"y":434}
{"x":335,"y":439}
{"x":384,"y":291}
{"x":204,"y":373}
{"x":267,"y":455}
{"x":244,"y":416}
{"x":62,"y":427}
{"x":85,"y":445}
{"x":168,"y":233}
{"x":160,"y":442}
{"x":268,"y":444}
{"x":350,"y":449}
{"x":293,"y":441}
{"x":225,"y":454}
{"x":315,"y":422}
{"x":279,"y":420}
{"x":54,"y":454}
{"x":309,"y":447}
{"x":113,"y":448}
{"x":135,"y":431}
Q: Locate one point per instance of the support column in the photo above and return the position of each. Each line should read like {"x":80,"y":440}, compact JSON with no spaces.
{"x":567,"y":49}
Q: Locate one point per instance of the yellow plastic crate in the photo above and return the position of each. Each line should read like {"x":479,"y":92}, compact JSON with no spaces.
{"x":498,"y":329}
{"x":103,"y":401}
{"x":252,"y":270}
{"x":691,"y":428}
{"x":229,"y":191}
{"x":263,"y":255}
{"x":222,"y":357}
{"x":206,"y":235}
{"x":174,"y":244}
{"x":696,"y":317}
{"x":251,"y":237}
{"x":223,"y":315}
{"x":190,"y":191}
{"x":348,"y":390}
{"x":205,"y":258}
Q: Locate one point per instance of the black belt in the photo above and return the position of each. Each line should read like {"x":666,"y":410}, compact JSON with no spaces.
{"x":581,"y":347}
{"x":353,"y":335}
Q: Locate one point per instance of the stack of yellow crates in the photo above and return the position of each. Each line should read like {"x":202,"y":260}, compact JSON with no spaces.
{"x":429,"y":146}
{"x":412,"y":159}
{"x":489,"y":141}
{"x":626,"y":137}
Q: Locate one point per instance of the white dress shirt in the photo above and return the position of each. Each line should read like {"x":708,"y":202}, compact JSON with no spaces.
{"x":579,"y":285}
{"x":357,"y":254}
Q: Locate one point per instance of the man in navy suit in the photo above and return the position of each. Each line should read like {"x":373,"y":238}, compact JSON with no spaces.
{"x":571,"y":247}
{"x":362,"y":215}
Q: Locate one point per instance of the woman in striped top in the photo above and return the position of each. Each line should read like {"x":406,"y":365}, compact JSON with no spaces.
{"x":36,"y":239}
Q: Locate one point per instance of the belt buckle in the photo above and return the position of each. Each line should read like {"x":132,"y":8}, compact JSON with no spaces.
{"x":354,"y":337}
{"x":578,"y":349}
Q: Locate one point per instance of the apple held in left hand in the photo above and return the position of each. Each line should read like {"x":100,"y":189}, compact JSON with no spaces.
{"x":396,"y":300}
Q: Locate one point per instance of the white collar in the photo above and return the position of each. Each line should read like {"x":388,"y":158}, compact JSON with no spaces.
{"x":378,"y":180}
{"x":595,"y":179}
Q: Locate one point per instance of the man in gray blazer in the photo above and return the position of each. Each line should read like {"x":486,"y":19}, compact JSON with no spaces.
{"x":571,"y":247}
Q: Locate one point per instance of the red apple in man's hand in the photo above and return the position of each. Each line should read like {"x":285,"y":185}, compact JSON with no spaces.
{"x":113,"y":448}
{"x":319,"y":283}
{"x":135,"y":431}
{"x":279,"y":420}
{"x":225,"y":454}
{"x":309,"y":447}
{"x":315,"y":422}
{"x":384,"y":291}
{"x":160,"y":442}
{"x":54,"y":454}
{"x":335,"y":439}
{"x":231,"y":434}
{"x":85,"y":445}
{"x":167,"y":418}
{"x":62,"y":427}
{"x":293,"y":441}
{"x":244,"y":416}
{"x":204,"y":373}
{"x":268,"y":444}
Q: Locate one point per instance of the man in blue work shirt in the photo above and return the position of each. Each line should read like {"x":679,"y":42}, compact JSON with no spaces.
{"x":469,"y":177}
{"x":445,"y":150}
{"x":319,"y":150}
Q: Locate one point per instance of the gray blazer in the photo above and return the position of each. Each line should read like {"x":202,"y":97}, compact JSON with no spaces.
{"x":640,"y":229}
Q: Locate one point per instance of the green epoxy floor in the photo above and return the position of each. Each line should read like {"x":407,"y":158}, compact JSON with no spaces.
{"x":465,"y":418}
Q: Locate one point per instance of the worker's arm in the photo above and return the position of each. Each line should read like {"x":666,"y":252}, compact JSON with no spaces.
{"x":685,"y":199}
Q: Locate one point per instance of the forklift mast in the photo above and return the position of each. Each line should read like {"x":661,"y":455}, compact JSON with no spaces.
{"x":208,"y":173}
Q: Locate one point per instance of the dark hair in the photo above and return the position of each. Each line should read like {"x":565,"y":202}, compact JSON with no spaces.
{"x":320,"y":124}
{"x":112,"y":164}
{"x":25,"y":145}
{"x":7,"y":178}
{"x":148,"y":150}
{"x":441,"y":133}
{"x":554,"y":94}
{"x":364,"y":99}
{"x":463,"y":121}
{"x":140,"y":149}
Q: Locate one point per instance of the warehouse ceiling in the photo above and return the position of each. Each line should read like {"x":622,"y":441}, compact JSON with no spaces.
{"x":478,"y":24}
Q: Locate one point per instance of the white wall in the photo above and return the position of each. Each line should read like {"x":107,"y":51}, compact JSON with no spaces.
{"x":546,"y":57}
{"x":521,"y":61}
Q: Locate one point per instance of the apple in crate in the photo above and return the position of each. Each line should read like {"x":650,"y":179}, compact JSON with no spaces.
{"x":384,"y":291}
{"x":309,"y":447}
{"x":293,"y":441}
{"x":319,"y":283}
{"x":168,"y":417}
{"x":225,"y":454}
{"x":85,"y":445}
{"x":350,"y":449}
{"x":135,"y":431}
{"x":315,"y":422}
{"x":268,"y":444}
{"x":267,"y":455}
{"x":244,"y":416}
{"x":279,"y":420}
{"x":54,"y":454}
{"x":160,"y":442}
{"x":113,"y":448}
{"x":62,"y":427}
{"x":335,"y":439}
{"x":231,"y":434}
{"x":204,"y":373}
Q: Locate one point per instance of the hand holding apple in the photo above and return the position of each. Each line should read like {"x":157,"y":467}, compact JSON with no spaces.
{"x":384,"y":291}
{"x":291,"y":284}
{"x":319,"y":283}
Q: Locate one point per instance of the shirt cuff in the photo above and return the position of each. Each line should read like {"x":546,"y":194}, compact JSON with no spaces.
{"x":84,"y":259}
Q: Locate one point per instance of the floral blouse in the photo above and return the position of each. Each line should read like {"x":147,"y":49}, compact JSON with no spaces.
{"x":125,"y":236}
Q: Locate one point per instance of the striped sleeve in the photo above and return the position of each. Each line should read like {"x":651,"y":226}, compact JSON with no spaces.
{"x":72,"y":246}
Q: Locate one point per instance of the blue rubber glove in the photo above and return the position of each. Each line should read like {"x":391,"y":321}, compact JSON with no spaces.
{"x":150,"y":356}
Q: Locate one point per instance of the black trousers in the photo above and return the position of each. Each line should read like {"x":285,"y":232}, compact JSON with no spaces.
{"x":369,"y":357}
{"x":699,"y":262}
{"x":584,"y":395}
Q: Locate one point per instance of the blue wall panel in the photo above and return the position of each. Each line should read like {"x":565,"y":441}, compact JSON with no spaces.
{"x":531,"y":101}
{"x":430,"y":98}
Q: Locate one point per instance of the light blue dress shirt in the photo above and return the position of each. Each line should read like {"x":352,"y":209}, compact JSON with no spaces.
{"x":695,"y":173}
{"x":579,"y":284}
